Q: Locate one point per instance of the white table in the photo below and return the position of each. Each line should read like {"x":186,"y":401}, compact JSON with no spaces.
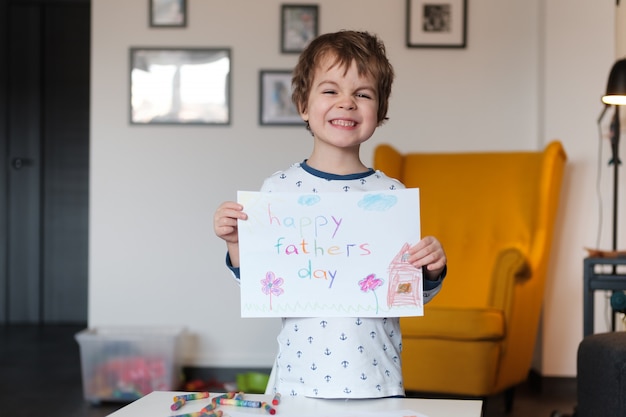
{"x":157,"y":404}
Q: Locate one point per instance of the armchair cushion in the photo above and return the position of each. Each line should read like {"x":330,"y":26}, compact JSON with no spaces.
{"x":460,"y":324}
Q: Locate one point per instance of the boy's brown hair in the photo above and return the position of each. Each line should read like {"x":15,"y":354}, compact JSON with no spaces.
{"x":366,"y":50}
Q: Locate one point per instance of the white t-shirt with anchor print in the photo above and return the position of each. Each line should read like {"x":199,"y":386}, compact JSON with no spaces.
{"x":338,"y":357}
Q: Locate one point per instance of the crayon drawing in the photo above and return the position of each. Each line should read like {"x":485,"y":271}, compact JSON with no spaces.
{"x":370,"y":283}
{"x":271,"y":286}
{"x":329,"y":254}
{"x":405,"y":281}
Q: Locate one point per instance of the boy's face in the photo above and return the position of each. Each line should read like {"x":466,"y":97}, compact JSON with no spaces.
{"x":342,"y":105}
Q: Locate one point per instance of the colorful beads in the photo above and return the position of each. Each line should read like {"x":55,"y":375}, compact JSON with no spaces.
{"x":228,"y":399}
{"x":268,"y":408}
{"x":178,"y":404}
{"x":192,"y":396}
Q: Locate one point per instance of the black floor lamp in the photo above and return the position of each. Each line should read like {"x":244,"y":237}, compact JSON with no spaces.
{"x":615,"y":96}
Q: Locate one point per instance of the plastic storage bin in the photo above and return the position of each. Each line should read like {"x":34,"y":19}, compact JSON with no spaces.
{"x":126,"y":363}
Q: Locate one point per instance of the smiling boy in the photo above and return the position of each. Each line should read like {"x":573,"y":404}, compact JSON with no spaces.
{"x":341,"y":84}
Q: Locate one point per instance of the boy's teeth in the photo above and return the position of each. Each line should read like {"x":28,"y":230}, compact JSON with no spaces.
{"x":343,"y":123}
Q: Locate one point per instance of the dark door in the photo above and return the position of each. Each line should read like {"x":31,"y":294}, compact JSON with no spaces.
{"x":47,"y":161}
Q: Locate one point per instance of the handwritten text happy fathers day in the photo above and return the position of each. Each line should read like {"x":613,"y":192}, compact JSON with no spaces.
{"x":329,"y":254}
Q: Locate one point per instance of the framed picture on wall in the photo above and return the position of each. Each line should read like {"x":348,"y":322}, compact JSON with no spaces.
{"x":441,"y":24}
{"x":276,"y":107}
{"x":168,"y":13}
{"x":185,"y":86}
{"x":299,"y":25}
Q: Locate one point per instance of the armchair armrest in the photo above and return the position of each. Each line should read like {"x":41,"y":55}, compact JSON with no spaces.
{"x":511,"y":266}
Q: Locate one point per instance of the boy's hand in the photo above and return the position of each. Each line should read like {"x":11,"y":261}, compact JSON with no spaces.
{"x":225,"y":221}
{"x":428,"y":253}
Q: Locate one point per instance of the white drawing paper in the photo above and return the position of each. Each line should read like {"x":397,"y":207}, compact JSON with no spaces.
{"x":329,"y":254}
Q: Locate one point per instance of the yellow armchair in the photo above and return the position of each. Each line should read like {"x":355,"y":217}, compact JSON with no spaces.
{"x":494,"y":213}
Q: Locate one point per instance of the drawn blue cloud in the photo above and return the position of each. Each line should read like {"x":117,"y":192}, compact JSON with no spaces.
{"x":377,"y":202}
{"x":308,"y":200}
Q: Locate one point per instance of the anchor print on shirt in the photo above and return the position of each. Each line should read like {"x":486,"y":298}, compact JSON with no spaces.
{"x":301,"y":355}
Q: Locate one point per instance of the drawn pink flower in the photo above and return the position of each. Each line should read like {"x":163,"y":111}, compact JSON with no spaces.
{"x":370,"y":283}
{"x":271,"y":286}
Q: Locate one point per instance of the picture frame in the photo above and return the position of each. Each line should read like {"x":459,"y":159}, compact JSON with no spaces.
{"x":275,"y":105}
{"x":299,"y":26}
{"x":168,"y":13}
{"x":183,"y":86}
{"x":442,"y":24}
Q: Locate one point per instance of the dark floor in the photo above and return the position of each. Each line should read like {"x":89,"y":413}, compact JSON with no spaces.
{"x":40,"y":376}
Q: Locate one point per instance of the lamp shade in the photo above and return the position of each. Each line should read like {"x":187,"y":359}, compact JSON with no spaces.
{"x":616,"y":87}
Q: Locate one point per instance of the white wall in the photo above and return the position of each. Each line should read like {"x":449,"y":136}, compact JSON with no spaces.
{"x":532,"y":71}
{"x":580,"y":50}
